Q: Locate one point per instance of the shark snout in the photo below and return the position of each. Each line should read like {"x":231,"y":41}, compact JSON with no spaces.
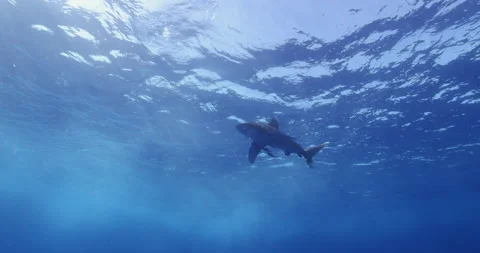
{"x":246,"y":129}
{"x":242,"y":128}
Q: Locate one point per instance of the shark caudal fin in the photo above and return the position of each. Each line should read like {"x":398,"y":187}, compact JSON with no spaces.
{"x":311,"y":152}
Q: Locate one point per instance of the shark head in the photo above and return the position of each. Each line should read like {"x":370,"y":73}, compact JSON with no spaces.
{"x":248,"y":129}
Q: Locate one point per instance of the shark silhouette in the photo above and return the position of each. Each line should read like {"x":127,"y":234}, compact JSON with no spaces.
{"x":263,"y":135}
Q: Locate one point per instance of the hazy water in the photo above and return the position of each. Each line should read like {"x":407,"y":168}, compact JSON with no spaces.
{"x":117,"y":130}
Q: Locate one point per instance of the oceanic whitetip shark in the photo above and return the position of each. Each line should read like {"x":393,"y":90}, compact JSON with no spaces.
{"x":263,"y":135}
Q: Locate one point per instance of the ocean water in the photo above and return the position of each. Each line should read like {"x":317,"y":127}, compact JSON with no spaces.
{"x":117,"y":125}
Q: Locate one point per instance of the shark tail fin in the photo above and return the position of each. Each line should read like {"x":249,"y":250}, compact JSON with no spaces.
{"x":311,"y":152}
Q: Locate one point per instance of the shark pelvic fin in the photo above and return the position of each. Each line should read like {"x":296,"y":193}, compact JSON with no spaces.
{"x":269,"y":152}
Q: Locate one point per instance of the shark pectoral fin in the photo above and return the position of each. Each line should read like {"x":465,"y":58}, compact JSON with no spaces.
{"x":253,"y":152}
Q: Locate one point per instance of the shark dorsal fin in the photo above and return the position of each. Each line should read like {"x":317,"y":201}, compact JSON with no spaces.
{"x":273,"y":123}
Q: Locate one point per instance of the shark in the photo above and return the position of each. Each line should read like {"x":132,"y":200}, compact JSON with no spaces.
{"x":263,"y":135}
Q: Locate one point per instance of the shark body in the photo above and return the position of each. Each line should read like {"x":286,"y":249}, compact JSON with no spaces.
{"x":263,"y":135}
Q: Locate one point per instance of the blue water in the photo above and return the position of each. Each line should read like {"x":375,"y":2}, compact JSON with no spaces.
{"x":118,"y":126}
